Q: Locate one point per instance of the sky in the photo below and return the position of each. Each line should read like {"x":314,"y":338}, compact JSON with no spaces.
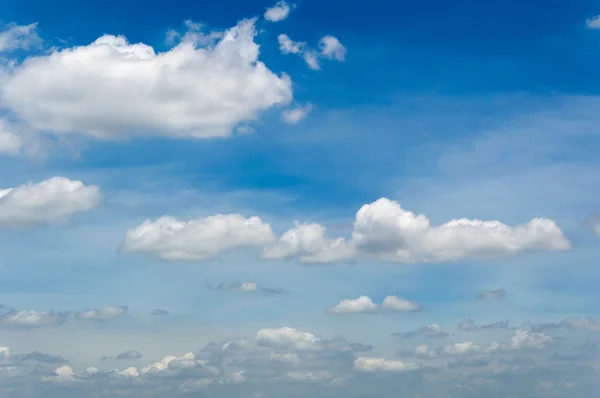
{"x":299,"y":198}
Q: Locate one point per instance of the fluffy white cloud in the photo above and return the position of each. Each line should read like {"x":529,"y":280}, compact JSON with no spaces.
{"x":112,"y":89}
{"x":423,"y":351}
{"x":381,"y":229}
{"x":365,"y":364}
{"x":288,"y":338}
{"x":198,"y":239}
{"x":10,"y":143}
{"x":364,"y":304}
{"x":593,"y":23}
{"x":292,"y":115}
{"x":309,"y":243}
{"x":102,"y":314}
{"x":331,"y":48}
{"x":19,"y":37}
{"x":32,"y":319}
{"x":61,"y":375}
{"x":469,"y":348}
{"x":525,"y":339}
{"x":386,"y":230}
{"x":278,"y":12}
{"x":353,"y":306}
{"x":52,"y":200}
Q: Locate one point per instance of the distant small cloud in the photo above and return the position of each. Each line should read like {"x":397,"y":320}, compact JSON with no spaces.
{"x":102,"y":314}
{"x":364,"y":304}
{"x":584,"y":323}
{"x":247,"y":287}
{"x":41,"y":357}
{"x":129,"y":355}
{"x":159,"y":312}
{"x":331,"y":48}
{"x":593,"y":23}
{"x":296,"y":114}
{"x":432,"y":331}
{"x":278,"y":12}
{"x":492,"y":294}
{"x":468,"y":325}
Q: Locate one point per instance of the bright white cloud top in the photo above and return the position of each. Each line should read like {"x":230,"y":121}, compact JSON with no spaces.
{"x":364,"y":304}
{"x":278,"y":12}
{"x":112,"y":89}
{"x":382,"y":229}
{"x":49,"y":201}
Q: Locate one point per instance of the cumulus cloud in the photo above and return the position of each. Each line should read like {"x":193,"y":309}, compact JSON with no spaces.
{"x":382,"y":229}
{"x":366,"y":364}
{"x":278,"y":12}
{"x":248,"y":287}
{"x":289,"y":338}
{"x":52,"y":200}
{"x":112,"y":89}
{"x":32,"y":319}
{"x":102,"y":314}
{"x":296,"y":114}
{"x":15,"y":37}
{"x":309,"y":243}
{"x":432,"y":330}
{"x":492,"y":294}
{"x":199,"y":239}
{"x":593,"y":23}
{"x":364,"y":304}
{"x":331,"y":48}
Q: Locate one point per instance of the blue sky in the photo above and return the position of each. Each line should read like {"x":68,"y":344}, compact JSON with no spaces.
{"x":465,"y":110}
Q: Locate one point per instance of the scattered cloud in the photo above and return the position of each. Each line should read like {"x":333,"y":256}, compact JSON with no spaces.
{"x":129,"y":355}
{"x":331,"y":48}
{"x":17,"y":37}
{"x":248,"y":287}
{"x":278,"y":12}
{"x":365,"y":364}
{"x":32,"y":319}
{"x":112,"y":89}
{"x":584,"y":323}
{"x":432,"y":330}
{"x":296,"y":114}
{"x":41,"y":357}
{"x":364,"y":304}
{"x":102,"y":314}
{"x":159,"y":312}
{"x":49,"y":201}
{"x":195,"y":34}
{"x":492,"y":294}
{"x":593,"y":23}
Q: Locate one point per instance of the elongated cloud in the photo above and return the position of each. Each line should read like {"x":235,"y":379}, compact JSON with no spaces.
{"x":52,"y":200}
{"x":29,"y":319}
{"x":364,"y":304}
{"x":113,"y":89}
{"x":492,"y":294}
{"x":102,"y":314}
{"x":382,"y":229}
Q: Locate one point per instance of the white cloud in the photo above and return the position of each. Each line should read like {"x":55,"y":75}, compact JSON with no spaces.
{"x":309,"y":376}
{"x":309,"y":243}
{"x":353,"y":306}
{"x":469,"y":348}
{"x":32,"y":319}
{"x":525,"y":339}
{"x":102,"y":314}
{"x":288,"y":46}
{"x":423,"y":351}
{"x":61,"y":375}
{"x":381,"y":229}
{"x":278,"y":12}
{"x":112,"y":89}
{"x":293,"y":115}
{"x":52,"y":200}
{"x":248,"y":287}
{"x":593,"y":23}
{"x":364,"y":304}
{"x":386,"y":230}
{"x":16,"y":37}
{"x":331,"y":48}
{"x":198,"y":239}
{"x":394,"y":303}
{"x":288,"y":338}
{"x":365,"y":364}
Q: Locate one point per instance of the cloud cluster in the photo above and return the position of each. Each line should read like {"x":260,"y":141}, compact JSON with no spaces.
{"x":49,"y":201}
{"x":364,"y":304}
{"x":382,"y":229}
